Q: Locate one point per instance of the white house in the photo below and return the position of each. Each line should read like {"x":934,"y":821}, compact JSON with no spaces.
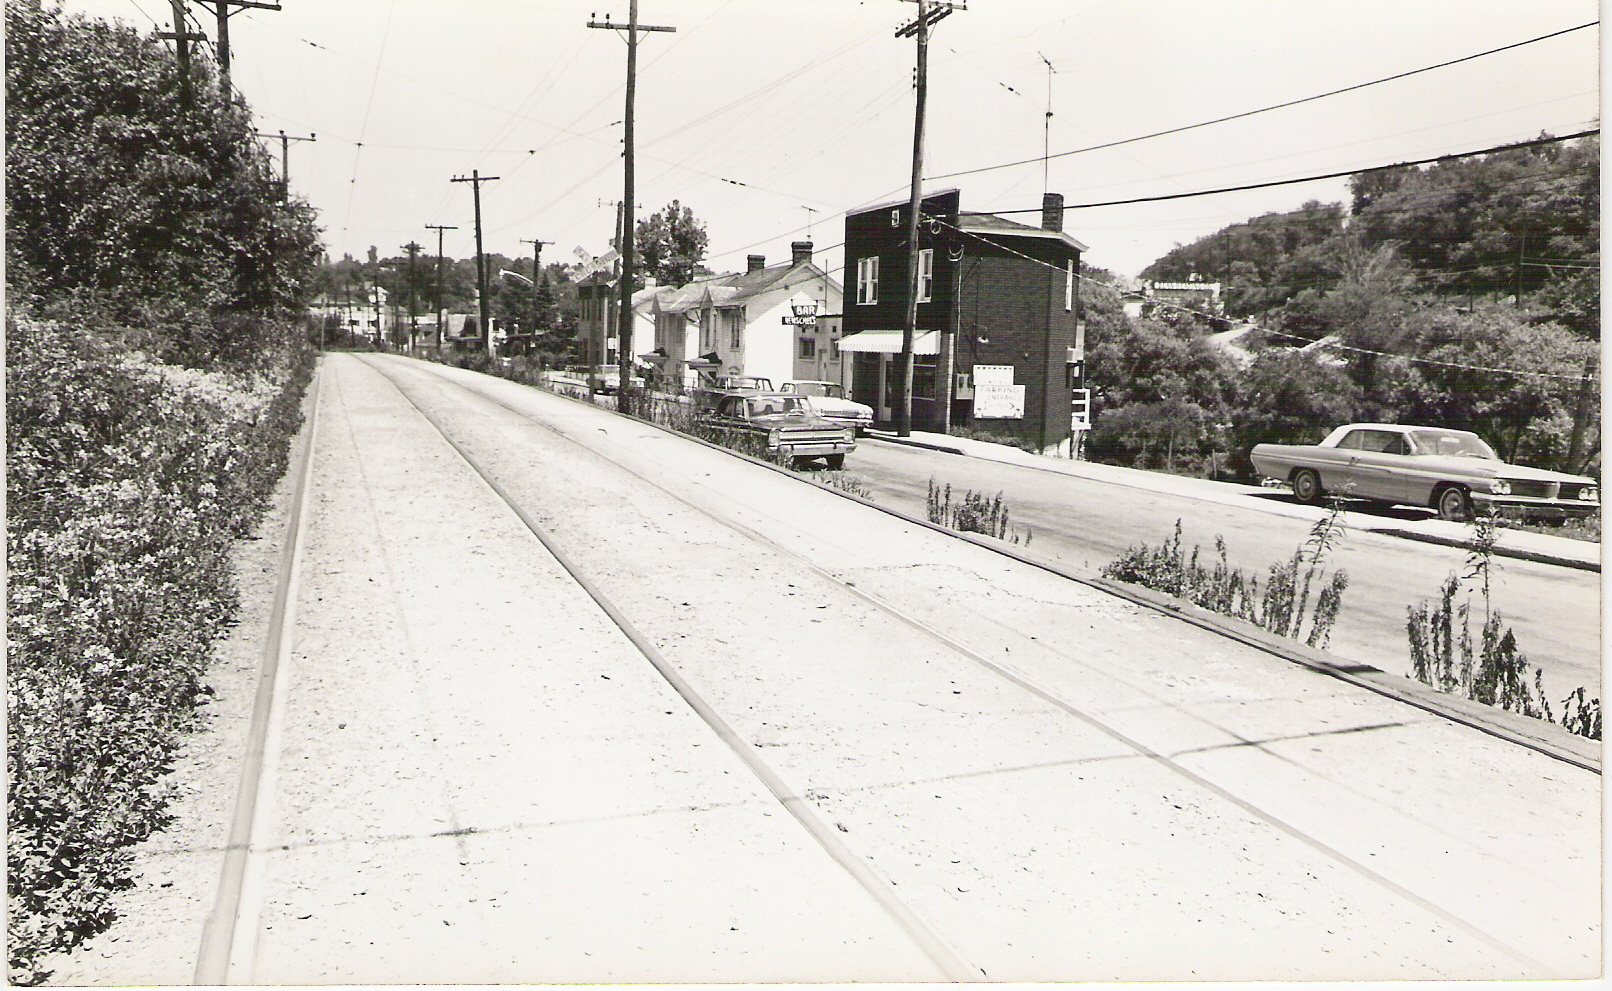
{"x":752,"y":323}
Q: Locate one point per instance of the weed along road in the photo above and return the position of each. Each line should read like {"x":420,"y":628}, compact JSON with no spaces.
{"x":570,"y":699}
{"x":1083,"y":523}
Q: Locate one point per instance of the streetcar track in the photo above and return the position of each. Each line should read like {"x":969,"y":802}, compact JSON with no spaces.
{"x":942,"y":954}
{"x":229,"y":935}
{"x":939,"y":951}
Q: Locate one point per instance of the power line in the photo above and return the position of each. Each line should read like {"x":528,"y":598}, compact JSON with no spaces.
{"x":1262,"y":110}
{"x":1313,"y":178}
{"x":1248,"y":323}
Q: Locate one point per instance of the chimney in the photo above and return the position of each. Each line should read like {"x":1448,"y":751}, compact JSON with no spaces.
{"x":1052,"y":211}
{"x":757,"y":263}
{"x":801,"y":252}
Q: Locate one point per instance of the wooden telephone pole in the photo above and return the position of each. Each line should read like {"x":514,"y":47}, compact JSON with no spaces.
{"x":223,"y":10}
{"x":285,"y":158}
{"x":414,"y":250}
{"x":439,"y":228}
{"x":928,"y":13}
{"x":476,"y":179}
{"x":537,"y":270}
{"x":624,"y":328}
{"x":182,"y":40}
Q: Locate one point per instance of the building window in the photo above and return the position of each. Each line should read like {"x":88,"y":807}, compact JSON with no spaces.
{"x":1069,"y":285}
{"x":736,"y":329}
{"x":867,"y":280}
{"x":926,"y":274}
{"x":808,"y":348}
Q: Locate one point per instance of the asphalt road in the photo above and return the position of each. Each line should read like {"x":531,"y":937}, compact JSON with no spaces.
{"x":1084,"y":524}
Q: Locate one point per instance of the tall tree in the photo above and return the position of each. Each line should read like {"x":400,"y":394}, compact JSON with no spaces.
{"x":671,"y":245}
{"x":115,"y":197}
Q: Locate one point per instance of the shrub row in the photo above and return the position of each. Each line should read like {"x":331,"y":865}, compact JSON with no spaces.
{"x":128,"y":481}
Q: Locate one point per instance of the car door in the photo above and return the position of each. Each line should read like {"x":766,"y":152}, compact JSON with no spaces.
{"x":1379,"y":465}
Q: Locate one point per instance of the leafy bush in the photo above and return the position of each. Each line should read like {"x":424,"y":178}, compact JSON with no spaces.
{"x":128,"y":481}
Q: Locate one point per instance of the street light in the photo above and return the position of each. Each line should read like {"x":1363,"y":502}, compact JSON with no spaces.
{"x":517,"y":275}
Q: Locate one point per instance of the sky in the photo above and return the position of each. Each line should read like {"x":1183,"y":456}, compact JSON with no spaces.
{"x":770,"y":119}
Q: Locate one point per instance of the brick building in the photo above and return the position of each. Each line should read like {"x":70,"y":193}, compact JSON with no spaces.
{"x":997,"y":342}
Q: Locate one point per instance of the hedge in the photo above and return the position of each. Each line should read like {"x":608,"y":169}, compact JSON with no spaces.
{"x":128,"y":481}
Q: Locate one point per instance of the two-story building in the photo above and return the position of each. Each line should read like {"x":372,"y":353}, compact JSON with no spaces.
{"x":997,"y":341}
{"x":599,"y":306}
{"x":751,"y":323}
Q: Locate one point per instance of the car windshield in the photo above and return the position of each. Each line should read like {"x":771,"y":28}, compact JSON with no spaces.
{"x":828,"y":389}
{"x":1452,"y":443}
{"x":773,"y":405}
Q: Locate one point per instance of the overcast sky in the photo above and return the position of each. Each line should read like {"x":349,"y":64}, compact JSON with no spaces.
{"x":769,"y":117}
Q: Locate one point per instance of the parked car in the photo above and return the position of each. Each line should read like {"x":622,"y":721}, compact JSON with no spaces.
{"x":786,"y":421}
{"x":1451,"y":471}
{"x":830,"y":401}
{"x":604,"y":378}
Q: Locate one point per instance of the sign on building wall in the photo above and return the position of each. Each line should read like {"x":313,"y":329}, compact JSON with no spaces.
{"x":995,"y":395}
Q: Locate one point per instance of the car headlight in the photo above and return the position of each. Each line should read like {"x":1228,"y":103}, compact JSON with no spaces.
{"x":1590,"y":493}
{"x":773,"y":437}
{"x":1500,"y":487}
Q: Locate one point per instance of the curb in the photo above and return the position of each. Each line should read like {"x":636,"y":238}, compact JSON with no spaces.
{"x":1521,"y":554}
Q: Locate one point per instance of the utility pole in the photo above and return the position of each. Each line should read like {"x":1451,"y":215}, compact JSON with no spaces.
{"x":413,"y":250}
{"x":537,"y":262}
{"x":285,"y":158}
{"x":476,"y":179}
{"x":222,"y":9}
{"x":439,"y":228}
{"x":1581,"y":414}
{"x":624,"y":331}
{"x":182,"y":40}
{"x":928,"y":14}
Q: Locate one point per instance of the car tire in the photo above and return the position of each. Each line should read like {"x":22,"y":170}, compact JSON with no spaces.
{"x":1453,"y":503}
{"x":1307,"y":487}
{"x":835,"y":462}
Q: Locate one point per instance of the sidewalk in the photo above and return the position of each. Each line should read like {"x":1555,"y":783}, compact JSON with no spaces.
{"x":1538,"y":547}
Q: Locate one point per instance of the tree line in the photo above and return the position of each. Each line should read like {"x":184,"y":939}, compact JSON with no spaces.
{"x":1464,"y":294}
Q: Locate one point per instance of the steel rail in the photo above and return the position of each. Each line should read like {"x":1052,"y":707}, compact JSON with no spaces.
{"x":227,"y":946}
{"x":945,"y":957}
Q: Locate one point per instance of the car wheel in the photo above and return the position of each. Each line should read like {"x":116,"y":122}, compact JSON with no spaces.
{"x":1307,"y":487}
{"x":835,"y":462}
{"x":1453,"y":503}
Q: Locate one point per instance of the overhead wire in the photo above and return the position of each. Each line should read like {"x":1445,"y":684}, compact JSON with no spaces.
{"x":1268,"y":109}
{"x":1249,"y":323}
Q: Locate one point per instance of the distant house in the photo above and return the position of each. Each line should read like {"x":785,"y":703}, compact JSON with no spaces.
{"x":1194,"y":294}
{"x":752,"y":323}
{"x":998,"y":339}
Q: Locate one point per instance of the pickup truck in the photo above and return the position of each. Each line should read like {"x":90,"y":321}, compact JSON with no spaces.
{"x":1451,"y":471}
{"x":785,"y":422}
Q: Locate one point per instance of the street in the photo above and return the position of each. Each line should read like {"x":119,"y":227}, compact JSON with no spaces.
{"x":1084,"y":523}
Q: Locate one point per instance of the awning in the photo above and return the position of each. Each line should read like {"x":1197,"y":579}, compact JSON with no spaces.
{"x":889,"y":342}
{"x":711,"y":360}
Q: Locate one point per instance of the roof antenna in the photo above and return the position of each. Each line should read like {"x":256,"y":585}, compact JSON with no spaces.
{"x":1046,"y":128}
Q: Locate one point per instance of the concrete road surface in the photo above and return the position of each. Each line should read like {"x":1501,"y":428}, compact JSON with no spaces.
{"x":802,"y":741}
